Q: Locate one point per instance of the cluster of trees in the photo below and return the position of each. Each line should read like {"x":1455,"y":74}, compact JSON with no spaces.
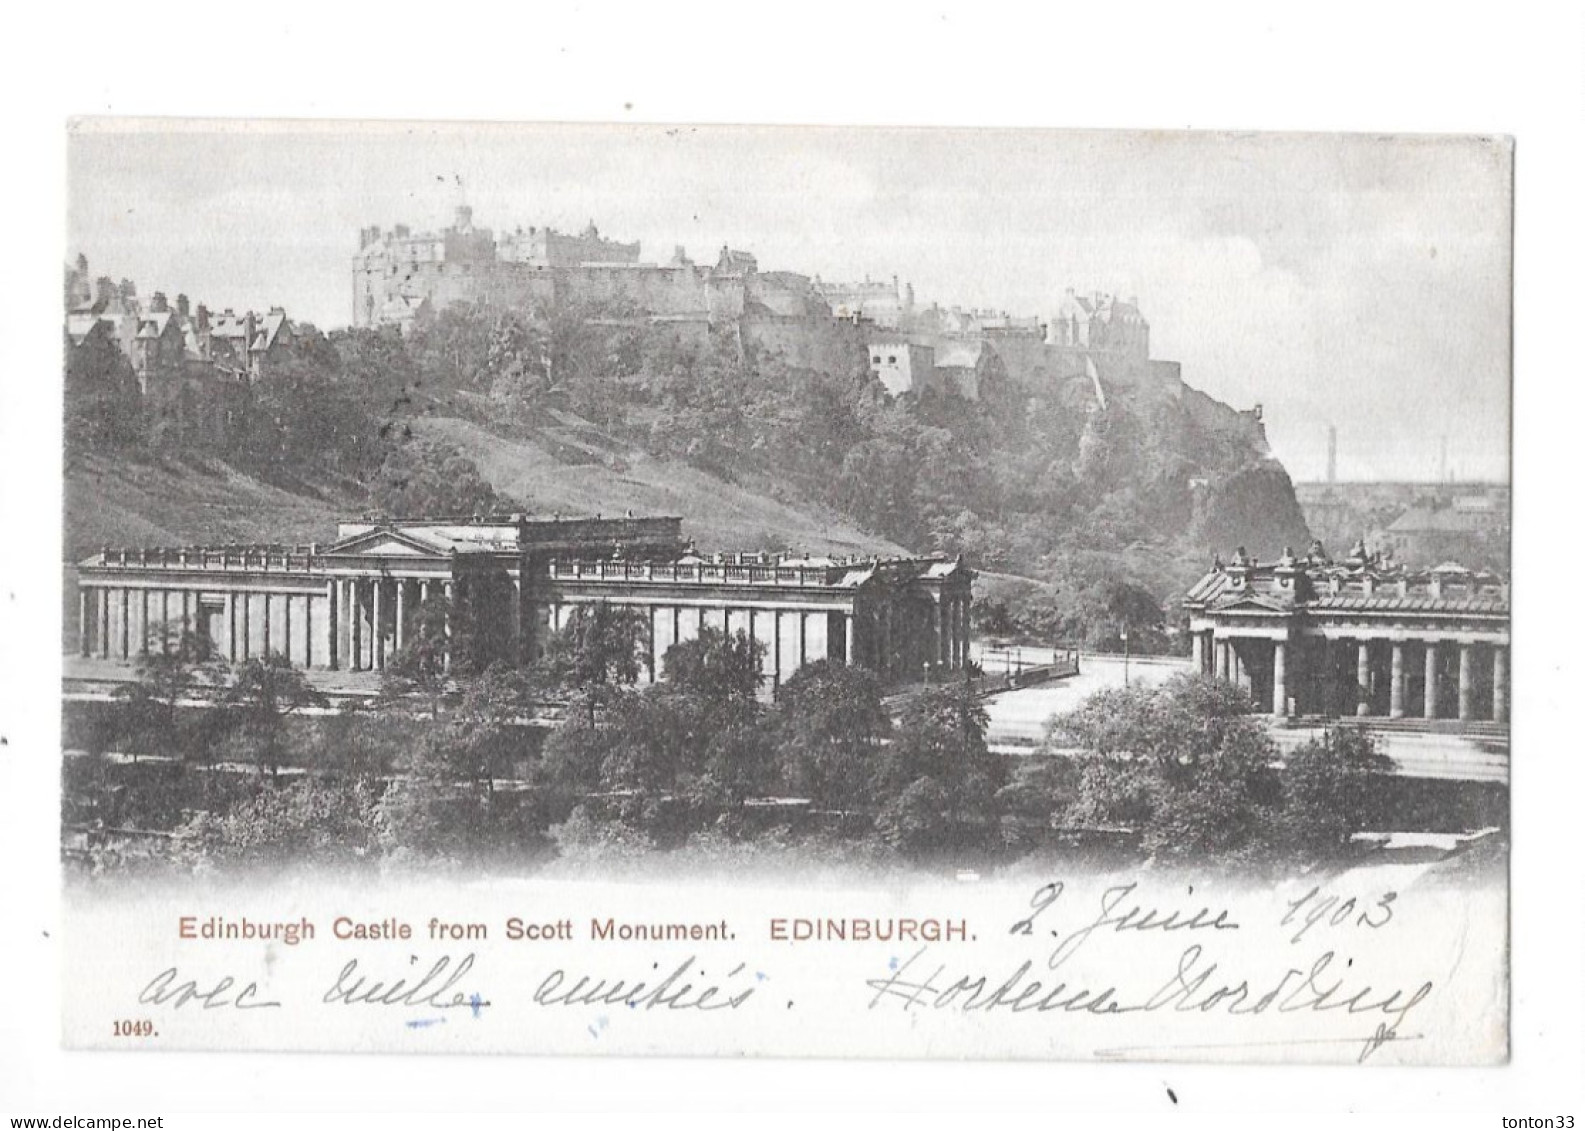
{"x":1184,"y":769}
{"x":1192,"y":772}
{"x":1092,"y":607}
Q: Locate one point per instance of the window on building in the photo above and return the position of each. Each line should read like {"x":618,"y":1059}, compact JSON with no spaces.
{"x":891,"y":361}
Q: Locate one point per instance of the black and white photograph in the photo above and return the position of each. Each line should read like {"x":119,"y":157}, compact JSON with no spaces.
{"x":818,"y":516}
{"x":655,"y":590}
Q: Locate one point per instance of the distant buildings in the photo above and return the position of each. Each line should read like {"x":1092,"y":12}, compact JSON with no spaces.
{"x":889,"y":306}
{"x":1421,"y":524}
{"x":192,"y":369}
{"x":1471,"y":528}
{"x":1099,"y":322}
{"x":403,"y":278}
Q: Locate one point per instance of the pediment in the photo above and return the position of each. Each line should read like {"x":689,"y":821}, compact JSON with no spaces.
{"x":385,"y":544}
{"x":1250,"y":603}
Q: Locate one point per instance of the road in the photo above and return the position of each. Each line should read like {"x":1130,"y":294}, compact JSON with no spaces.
{"x":1018,"y":718}
{"x":1018,"y":722}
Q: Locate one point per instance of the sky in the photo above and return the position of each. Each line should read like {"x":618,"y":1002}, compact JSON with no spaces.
{"x":1352,"y":281}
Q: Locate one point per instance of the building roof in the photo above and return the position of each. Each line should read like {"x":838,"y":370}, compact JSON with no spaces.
{"x":153,"y":323}
{"x":229,"y":325}
{"x":81,"y":323}
{"x":1362,"y":583}
{"x":1441,"y":520}
{"x":270,"y":326}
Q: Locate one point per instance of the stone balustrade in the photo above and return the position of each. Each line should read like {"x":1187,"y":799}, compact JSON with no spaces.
{"x":267,"y":559}
{"x":697,"y":572}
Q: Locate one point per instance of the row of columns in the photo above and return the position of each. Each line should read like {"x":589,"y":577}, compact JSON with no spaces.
{"x":359,"y":643}
{"x":788,"y":632}
{"x":124,"y":622}
{"x":952,"y":632}
{"x":1397,"y":692}
{"x":1219,"y":656}
{"x":367,"y":619}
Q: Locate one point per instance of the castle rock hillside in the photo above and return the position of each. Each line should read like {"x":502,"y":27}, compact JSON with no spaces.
{"x":1075,"y":392}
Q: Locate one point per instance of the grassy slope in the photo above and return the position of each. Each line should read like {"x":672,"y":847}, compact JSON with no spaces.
{"x":124,"y":503}
{"x":569,"y":467}
{"x":573,"y":469}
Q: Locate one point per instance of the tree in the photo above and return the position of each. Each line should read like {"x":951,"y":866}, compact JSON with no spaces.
{"x":715,"y":666}
{"x":452,"y":350}
{"x":265,"y":692}
{"x":601,"y":648}
{"x":314,"y":820}
{"x":571,"y":767}
{"x":434,"y":640}
{"x":941,"y":738}
{"x":1186,"y":764}
{"x":304,"y":413}
{"x":423,"y":477}
{"x":831,"y":725}
{"x":101,"y":396}
{"x":179,"y":664}
{"x":676,"y":762}
{"x":673,"y":759}
{"x":1328,"y":784}
{"x":445,"y":803}
{"x":916,"y":820}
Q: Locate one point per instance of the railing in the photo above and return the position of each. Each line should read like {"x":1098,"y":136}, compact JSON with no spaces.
{"x":697,"y":572}
{"x":266,"y":559}
{"x":744,"y":569}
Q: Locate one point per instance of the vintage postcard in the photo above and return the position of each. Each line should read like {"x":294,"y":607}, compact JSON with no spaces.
{"x":802,"y":592}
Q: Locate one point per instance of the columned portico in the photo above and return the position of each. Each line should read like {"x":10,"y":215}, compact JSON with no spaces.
{"x":1293,"y":632}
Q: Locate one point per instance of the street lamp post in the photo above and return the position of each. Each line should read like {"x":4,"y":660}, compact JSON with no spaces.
{"x":1125,"y":658}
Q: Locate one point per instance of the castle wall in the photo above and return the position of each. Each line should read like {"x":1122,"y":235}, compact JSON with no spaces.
{"x":657,"y":290}
{"x":826,"y":346}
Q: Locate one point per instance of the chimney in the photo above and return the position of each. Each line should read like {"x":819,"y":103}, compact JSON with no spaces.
{"x":158,"y":304}
{"x":401,"y":231}
{"x":128,"y":289}
{"x":182,"y":309}
{"x":201,"y":318}
{"x":104,"y":289}
{"x":464,"y":217}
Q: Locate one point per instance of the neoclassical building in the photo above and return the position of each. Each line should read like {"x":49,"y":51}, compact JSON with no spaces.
{"x":350,"y":605}
{"x":1362,"y":636}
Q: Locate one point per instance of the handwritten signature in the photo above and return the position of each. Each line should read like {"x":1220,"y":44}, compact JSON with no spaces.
{"x":1194,"y":987}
